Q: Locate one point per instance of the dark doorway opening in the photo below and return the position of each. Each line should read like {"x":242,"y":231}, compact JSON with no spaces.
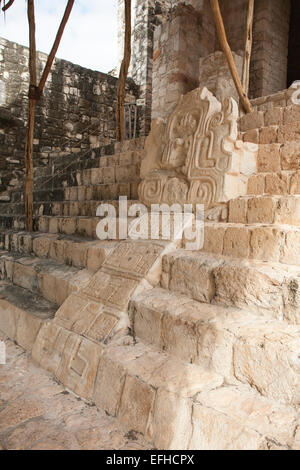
{"x":293,"y":72}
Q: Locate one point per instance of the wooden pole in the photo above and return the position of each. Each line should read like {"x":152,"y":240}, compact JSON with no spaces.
{"x":248,"y":46}
{"x":31,"y":118}
{"x":227,"y":51}
{"x":9,"y":4}
{"x":34,"y":95}
{"x":55,"y":46}
{"x":120,"y":122}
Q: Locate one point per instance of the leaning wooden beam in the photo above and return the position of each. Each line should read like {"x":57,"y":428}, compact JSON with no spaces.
{"x":248,"y":46}
{"x":120,"y":121}
{"x":53,"y":52}
{"x":34,"y":95}
{"x":227,"y":51}
{"x":31,"y":118}
{"x":9,"y":4}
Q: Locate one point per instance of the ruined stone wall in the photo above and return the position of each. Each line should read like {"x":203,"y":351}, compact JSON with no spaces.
{"x":76,"y":112}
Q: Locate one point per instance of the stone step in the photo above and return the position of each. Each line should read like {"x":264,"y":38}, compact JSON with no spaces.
{"x":270,"y":289}
{"x":73,"y":251}
{"x":278,"y":157}
{"x":263,"y":242}
{"x":98,"y":175}
{"x":54,"y":281}
{"x":280,"y":210}
{"x":102,"y":192}
{"x":22,"y":313}
{"x":65,"y":208}
{"x":236,"y":343}
{"x":81,"y":193}
{"x":274,"y":183}
{"x":174,"y":404}
{"x":278,"y":124}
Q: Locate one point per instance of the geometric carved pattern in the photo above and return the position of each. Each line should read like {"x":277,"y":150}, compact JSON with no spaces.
{"x":197,"y":159}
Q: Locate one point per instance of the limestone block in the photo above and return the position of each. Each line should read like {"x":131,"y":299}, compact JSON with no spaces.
{"x":277,"y":183}
{"x":274,"y":116}
{"x":109,"y":385}
{"x":96,"y":176}
{"x":252,"y":121}
{"x":288,"y":211}
{"x":78,"y":366}
{"x":136,"y":404}
{"x":291,"y":249}
{"x":75,"y":254}
{"x":214,"y":239}
{"x":241,"y":286}
{"x":290,"y":156}
{"x":261,"y":210}
{"x":86,"y":178}
{"x":289,"y":132}
{"x":171,"y":426}
{"x":238,"y":211}
{"x":255,"y":356}
{"x":8,"y":318}
{"x":291,"y":114}
{"x":268,"y":159}
{"x":256,"y":184}
{"x":41,"y":246}
{"x":95,"y":258}
{"x":187,"y":269}
{"x":28,"y":327}
{"x":266,"y":243}
{"x":268,"y":135}
{"x":251,"y":136}
{"x":243,"y":405}
{"x":53,"y":225}
{"x":295,"y":183}
{"x":108,"y":175}
{"x":87,"y":318}
{"x":68,"y":225}
{"x":214,"y":430}
{"x":25,"y":274}
{"x":72,"y":359}
{"x":236,"y":242}
{"x":57,"y":250}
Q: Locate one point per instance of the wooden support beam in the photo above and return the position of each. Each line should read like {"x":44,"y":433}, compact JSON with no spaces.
{"x":228,"y":53}
{"x":9,"y":4}
{"x":31,"y":119}
{"x":120,"y":122}
{"x":34,"y":95}
{"x":55,"y":46}
{"x":248,"y":46}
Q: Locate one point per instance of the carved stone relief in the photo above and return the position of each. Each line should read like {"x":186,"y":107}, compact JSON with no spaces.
{"x":196,"y":158}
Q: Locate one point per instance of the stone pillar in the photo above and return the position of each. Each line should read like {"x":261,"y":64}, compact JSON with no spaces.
{"x":270,"y":49}
{"x":177,"y":48}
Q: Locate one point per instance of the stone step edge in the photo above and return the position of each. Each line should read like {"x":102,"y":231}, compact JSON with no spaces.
{"x":52,"y":280}
{"x":16,"y":321}
{"x":72,"y":251}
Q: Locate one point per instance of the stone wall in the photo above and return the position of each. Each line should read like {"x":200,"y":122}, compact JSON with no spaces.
{"x":76,"y":112}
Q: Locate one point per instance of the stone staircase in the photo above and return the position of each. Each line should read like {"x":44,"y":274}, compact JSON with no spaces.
{"x":194,"y":350}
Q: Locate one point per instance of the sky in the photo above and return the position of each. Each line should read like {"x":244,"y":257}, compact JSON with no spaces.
{"x":90,"y":37}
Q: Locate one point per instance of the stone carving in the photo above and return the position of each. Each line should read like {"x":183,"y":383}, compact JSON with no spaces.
{"x":196,"y":158}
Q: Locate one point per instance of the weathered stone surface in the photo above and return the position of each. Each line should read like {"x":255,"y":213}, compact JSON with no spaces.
{"x":175,"y":173}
